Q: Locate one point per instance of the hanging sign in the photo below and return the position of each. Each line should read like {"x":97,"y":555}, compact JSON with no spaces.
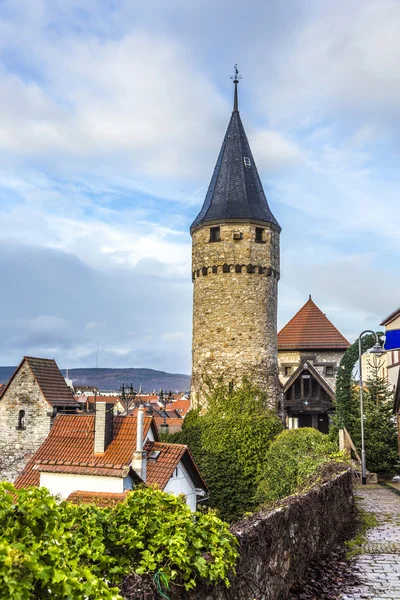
{"x":392,"y":341}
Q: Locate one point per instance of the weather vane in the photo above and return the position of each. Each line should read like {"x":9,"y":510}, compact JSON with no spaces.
{"x":236,"y":76}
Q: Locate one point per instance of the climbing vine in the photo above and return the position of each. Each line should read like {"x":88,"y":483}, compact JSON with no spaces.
{"x":344,"y":382}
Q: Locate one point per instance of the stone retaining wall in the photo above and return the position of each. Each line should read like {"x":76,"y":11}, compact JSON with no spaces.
{"x":276,"y":547}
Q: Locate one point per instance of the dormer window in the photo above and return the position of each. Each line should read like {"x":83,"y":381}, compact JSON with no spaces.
{"x":215,"y":234}
{"x":247,"y":161}
{"x":21,"y":419}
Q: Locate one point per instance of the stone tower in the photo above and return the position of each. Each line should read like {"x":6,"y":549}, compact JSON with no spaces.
{"x":235,"y":272}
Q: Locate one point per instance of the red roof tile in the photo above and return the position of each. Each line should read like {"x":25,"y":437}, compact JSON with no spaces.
{"x":50,"y":381}
{"x":159,"y":471}
{"x":311,"y":329}
{"x":102,"y":499}
{"x":70,"y":443}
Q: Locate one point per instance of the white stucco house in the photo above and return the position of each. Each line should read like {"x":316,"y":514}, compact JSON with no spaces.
{"x":89,"y":455}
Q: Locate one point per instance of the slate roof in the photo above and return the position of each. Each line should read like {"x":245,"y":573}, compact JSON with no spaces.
{"x":235,"y":192}
{"x":50,"y":381}
{"x":70,"y":444}
{"x":310,"y":329}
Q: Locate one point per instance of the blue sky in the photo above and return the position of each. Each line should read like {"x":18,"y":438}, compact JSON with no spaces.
{"x":112,"y":114}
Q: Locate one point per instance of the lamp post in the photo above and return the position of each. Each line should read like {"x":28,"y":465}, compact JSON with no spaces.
{"x":376,"y":349}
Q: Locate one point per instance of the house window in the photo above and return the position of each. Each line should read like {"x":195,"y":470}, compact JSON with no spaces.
{"x":293,"y":422}
{"x":247,"y":161}
{"x":215,"y":234}
{"x":288,"y":371}
{"x":329,"y":371}
{"x":259,"y":234}
{"x":176,"y":472}
{"x":21,"y":419}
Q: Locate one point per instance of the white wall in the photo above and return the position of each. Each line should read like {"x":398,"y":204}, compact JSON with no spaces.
{"x":64,"y":484}
{"x":181,"y":483}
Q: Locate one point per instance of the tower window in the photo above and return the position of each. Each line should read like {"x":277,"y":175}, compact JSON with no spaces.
{"x":215,"y":234}
{"x":21,"y":419}
{"x":329,"y":371}
{"x":259,"y":234}
{"x":247,"y":162}
{"x":288,"y":371}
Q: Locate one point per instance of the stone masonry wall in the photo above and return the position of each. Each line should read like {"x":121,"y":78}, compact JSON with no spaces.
{"x":18,"y":445}
{"x":235,"y":308}
{"x":276,"y":547}
{"x":293,"y":358}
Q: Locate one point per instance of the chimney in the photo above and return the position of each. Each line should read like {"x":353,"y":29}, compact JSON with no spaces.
{"x":139,"y":457}
{"x":103,"y":426}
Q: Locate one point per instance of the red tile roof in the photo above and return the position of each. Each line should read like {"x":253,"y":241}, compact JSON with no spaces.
{"x":69,"y":449}
{"x":310,"y":329}
{"x":182,"y":406}
{"x":70,"y":445}
{"x":50,"y":381}
{"x":108,"y":399}
{"x":159,"y":471}
{"x":102,"y":499}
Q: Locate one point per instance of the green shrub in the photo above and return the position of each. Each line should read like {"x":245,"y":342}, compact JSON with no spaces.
{"x":292,"y":459}
{"x":229,"y":442}
{"x":52,"y":549}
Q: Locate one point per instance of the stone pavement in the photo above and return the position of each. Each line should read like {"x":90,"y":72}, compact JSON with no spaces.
{"x":378,"y":565}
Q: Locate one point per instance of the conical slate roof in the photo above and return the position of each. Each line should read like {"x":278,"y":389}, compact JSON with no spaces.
{"x":235,"y":192}
{"x":310,"y":329}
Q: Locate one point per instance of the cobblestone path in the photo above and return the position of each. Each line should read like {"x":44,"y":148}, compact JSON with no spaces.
{"x":378,"y":566}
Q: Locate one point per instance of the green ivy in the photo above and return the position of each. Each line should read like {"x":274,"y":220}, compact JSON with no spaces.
{"x":344,"y":382}
{"x":229,"y":442}
{"x":53,"y":549}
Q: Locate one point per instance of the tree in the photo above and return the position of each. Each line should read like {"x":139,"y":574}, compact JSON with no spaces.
{"x":380,"y":429}
{"x":229,"y":442}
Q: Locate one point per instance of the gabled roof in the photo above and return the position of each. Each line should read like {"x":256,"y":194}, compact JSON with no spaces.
{"x":235,"y":192}
{"x":70,"y":444}
{"x":310,"y":329}
{"x":391,"y":317}
{"x":324,"y":384}
{"x":159,"y":471}
{"x":50,"y":380}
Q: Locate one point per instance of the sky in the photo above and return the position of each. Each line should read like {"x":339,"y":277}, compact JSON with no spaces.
{"x":112,"y":114}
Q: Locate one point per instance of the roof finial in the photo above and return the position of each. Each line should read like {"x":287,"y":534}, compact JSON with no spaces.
{"x":236,"y":78}
{"x":309,"y":297}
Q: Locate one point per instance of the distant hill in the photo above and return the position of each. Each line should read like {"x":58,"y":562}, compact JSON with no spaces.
{"x":111,"y":379}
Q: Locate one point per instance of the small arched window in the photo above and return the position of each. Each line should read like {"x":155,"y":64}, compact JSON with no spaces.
{"x":21,"y":419}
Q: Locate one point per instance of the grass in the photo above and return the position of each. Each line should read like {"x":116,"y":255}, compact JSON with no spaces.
{"x":366,"y":520}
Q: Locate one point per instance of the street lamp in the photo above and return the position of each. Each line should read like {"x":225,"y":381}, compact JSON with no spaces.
{"x":378,"y":350}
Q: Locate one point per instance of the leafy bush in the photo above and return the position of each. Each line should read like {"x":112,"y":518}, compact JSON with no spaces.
{"x":52,"y":549}
{"x":229,"y":443}
{"x":292,"y":459}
